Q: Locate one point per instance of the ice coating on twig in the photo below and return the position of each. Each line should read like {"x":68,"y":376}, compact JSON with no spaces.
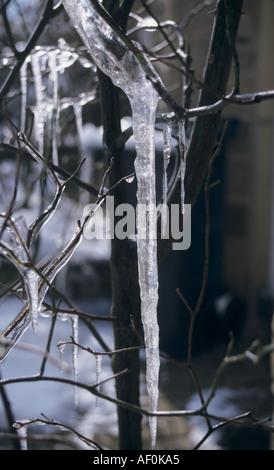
{"x":120,"y":64}
{"x":98,"y":366}
{"x":22,"y":429}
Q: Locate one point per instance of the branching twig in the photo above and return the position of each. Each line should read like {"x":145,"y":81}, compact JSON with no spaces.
{"x":52,"y":422}
{"x":254,"y":354}
{"x":48,"y":13}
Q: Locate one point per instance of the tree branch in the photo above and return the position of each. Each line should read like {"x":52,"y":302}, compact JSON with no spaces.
{"x":205,"y":129}
{"x":48,"y":13}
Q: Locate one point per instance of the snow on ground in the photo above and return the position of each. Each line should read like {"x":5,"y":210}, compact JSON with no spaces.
{"x":56,"y":400}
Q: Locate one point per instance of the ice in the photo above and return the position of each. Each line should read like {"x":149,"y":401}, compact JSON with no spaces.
{"x":86,"y":170}
{"x":14,"y":249}
{"x":22,"y":428}
{"x":39,"y":108}
{"x":182,"y":148}
{"x":61,"y":347}
{"x":98,"y":365}
{"x":120,"y":64}
{"x":24,"y":93}
{"x":75,"y":331}
{"x":53,"y":73}
{"x":17,"y":327}
{"x":77,"y":107}
{"x":167,"y":135}
{"x":16,"y":246}
{"x":32,"y":283}
{"x":44,"y":65}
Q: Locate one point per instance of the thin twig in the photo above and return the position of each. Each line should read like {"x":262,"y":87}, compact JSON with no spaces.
{"x":52,"y":422}
{"x":99,"y":353}
{"x":48,"y":13}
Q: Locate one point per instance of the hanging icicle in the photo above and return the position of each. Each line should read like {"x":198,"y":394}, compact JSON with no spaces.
{"x":98,"y":365}
{"x":167,"y":135}
{"x":22,"y":430}
{"x":53,"y":75}
{"x":121,"y":65}
{"x":182,"y":149}
{"x":39,"y":108}
{"x":24,"y":93}
{"x":75,"y":331}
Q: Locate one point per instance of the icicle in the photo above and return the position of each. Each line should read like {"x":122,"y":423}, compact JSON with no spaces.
{"x":32,"y":282}
{"x":130,"y":179}
{"x":143,"y":108}
{"x":79,"y":125}
{"x":167,"y":134}
{"x":61,"y":347}
{"x":182,"y":148}
{"x":53,"y":73}
{"x":17,"y":253}
{"x":98,"y":365}
{"x":78,"y":109}
{"x":22,"y":429}
{"x":39,"y":94}
{"x":87,"y":169}
{"x":24,"y":93}
{"x":74,"y":324}
{"x":120,"y":64}
{"x":19,"y":325}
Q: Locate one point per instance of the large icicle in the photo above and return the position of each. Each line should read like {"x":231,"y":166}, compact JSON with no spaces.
{"x":120,"y":64}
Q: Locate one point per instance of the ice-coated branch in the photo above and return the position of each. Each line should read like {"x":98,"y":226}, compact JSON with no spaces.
{"x":94,"y":391}
{"x":21,"y":424}
{"x":240,"y":99}
{"x":18,"y":251}
{"x":126,"y":45}
{"x":48,"y":13}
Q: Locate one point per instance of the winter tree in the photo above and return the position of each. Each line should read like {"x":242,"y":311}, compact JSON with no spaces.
{"x":90,"y":61}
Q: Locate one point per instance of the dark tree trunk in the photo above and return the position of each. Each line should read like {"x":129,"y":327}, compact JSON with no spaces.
{"x":125,"y":287}
{"x":205,"y":130}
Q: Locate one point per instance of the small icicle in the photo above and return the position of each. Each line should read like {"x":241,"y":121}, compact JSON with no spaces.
{"x":39,"y":95}
{"x":167,"y":134}
{"x":61,"y":347}
{"x":75,"y":332}
{"x":22,"y":430}
{"x":98,"y":362}
{"x":53,"y":73}
{"x":24,"y":94}
{"x":32,"y":281}
{"x":85,"y":170}
{"x":130,"y":179}
{"x":77,"y":108}
{"x":182,"y":148}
